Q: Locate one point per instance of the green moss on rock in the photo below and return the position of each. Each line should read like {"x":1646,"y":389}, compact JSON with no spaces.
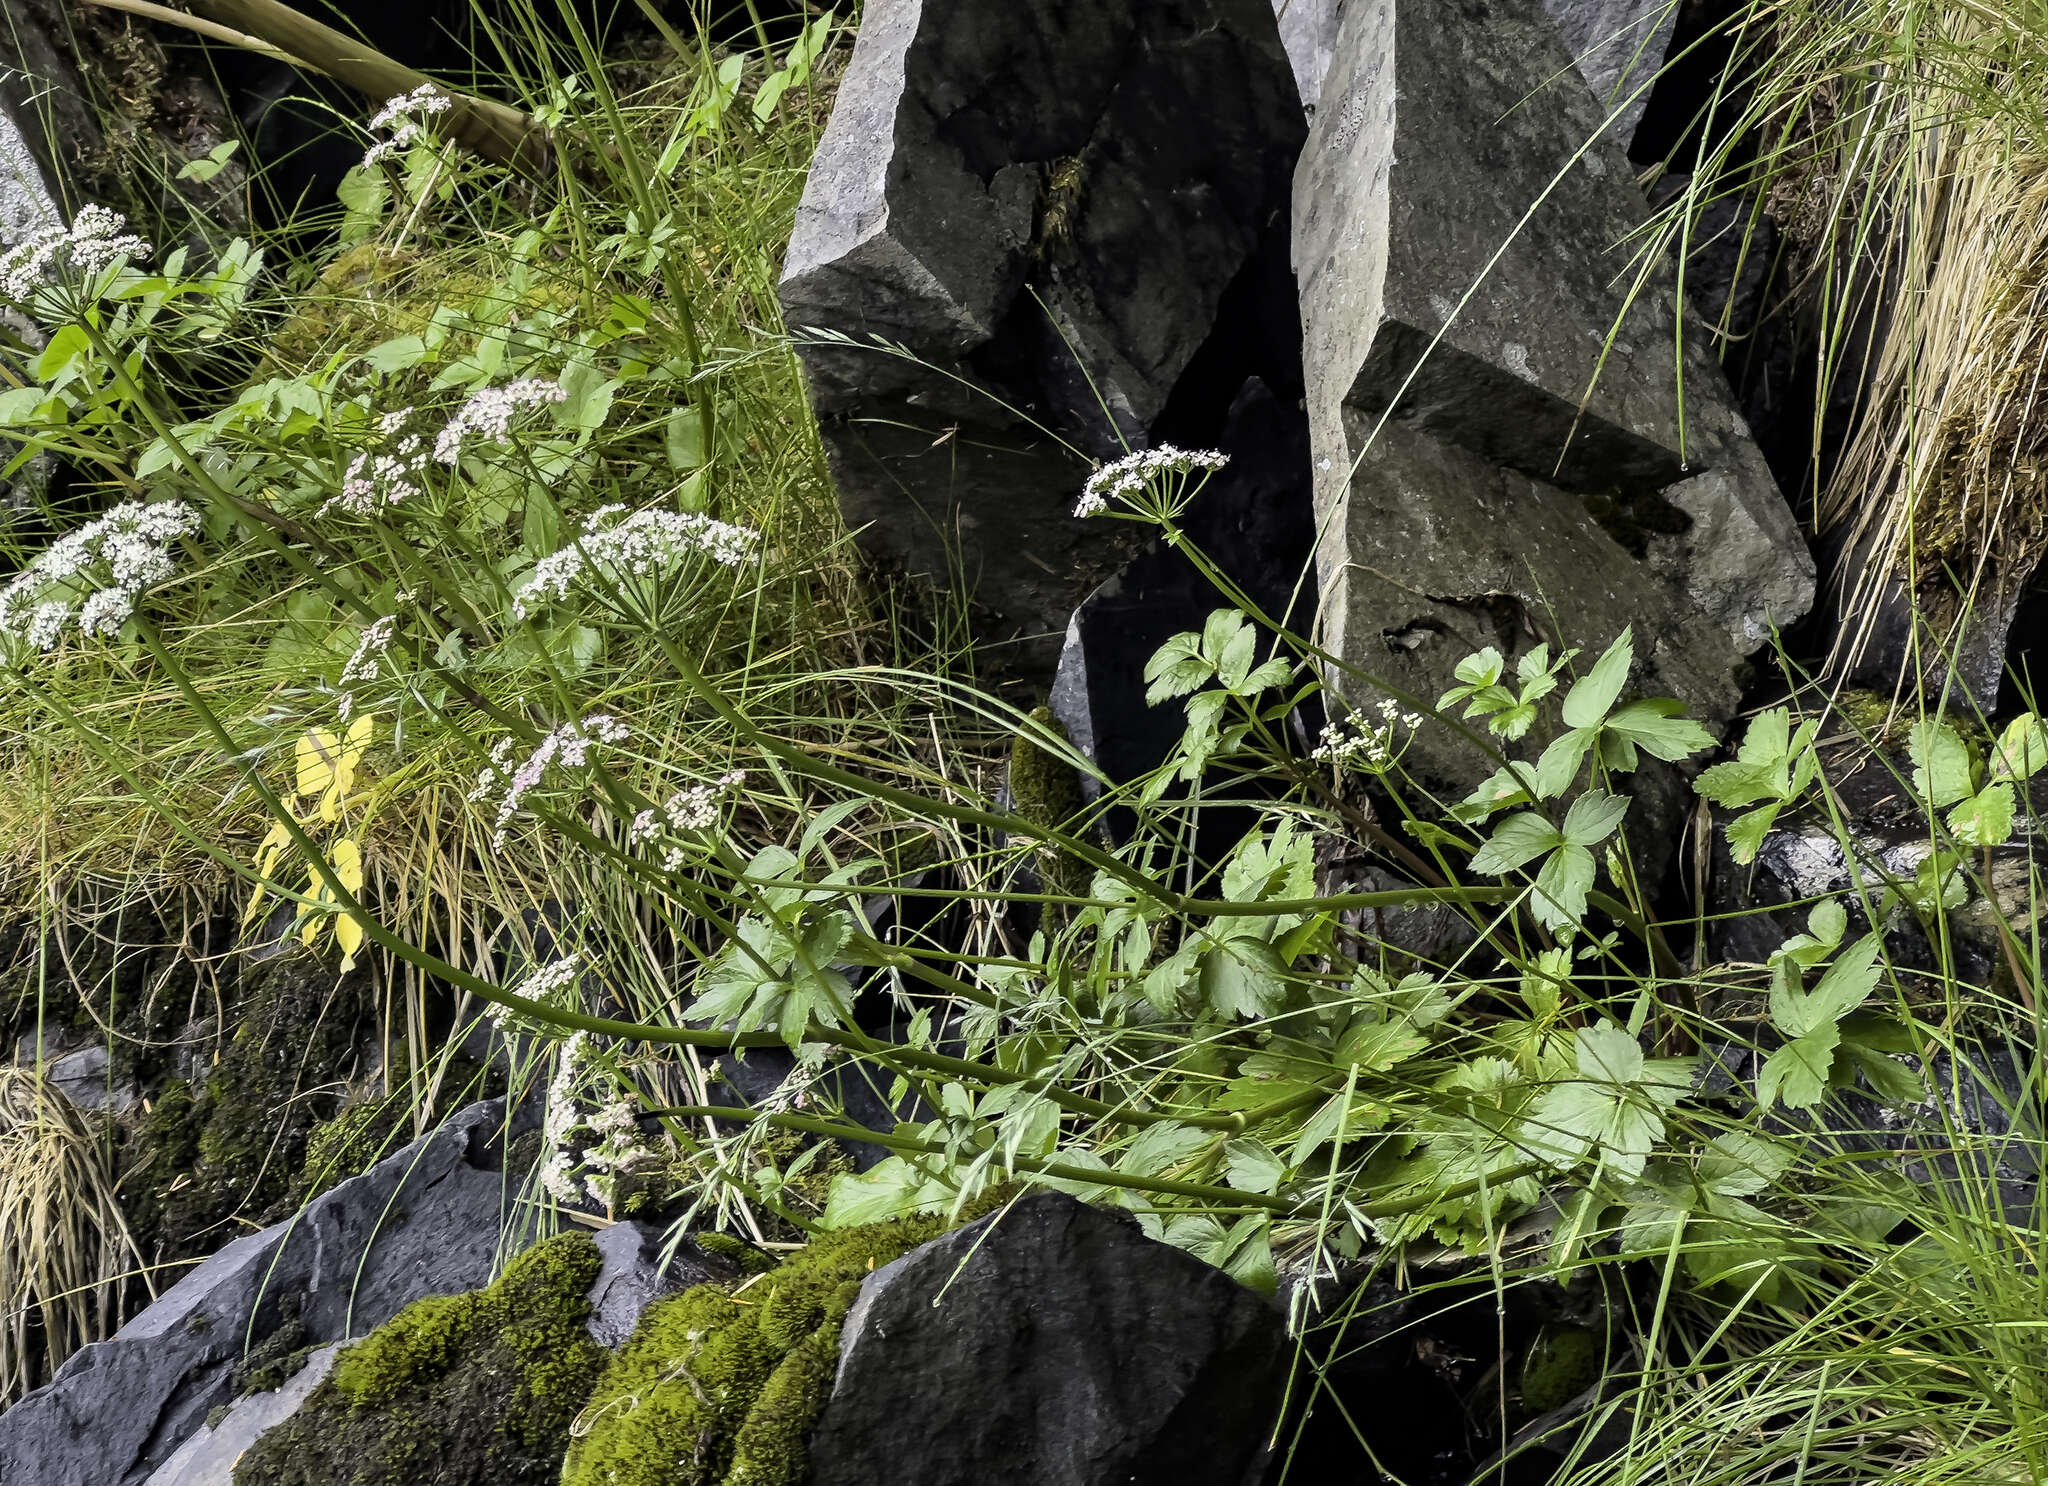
{"x":720,"y":1386}
{"x":459,"y":1390}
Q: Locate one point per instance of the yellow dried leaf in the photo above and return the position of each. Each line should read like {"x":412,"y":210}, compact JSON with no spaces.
{"x":349,"y":935}
{"x":317,"y":755}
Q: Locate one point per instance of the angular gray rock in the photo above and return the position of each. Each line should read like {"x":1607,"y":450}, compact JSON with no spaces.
{"x":1496,"y":462}
{"x":1052,"y":1344}
{"x":425,"y":1221}
{"x":634,"y":1277}
{"x":1308,"y":29}
{"x":1619,"y":46}
{"x":208,"y":1457}
{"x":1043,"y":208}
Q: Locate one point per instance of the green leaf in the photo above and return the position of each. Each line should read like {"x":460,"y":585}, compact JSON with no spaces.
{"x":1746,"y":833}
{"x":1234,"y":658}
{"x":891,"y":1188}
{"x":1943,"y":771}
{"x":1562,"y":885}
{"x":683,"y":439}
{"x":1517,"y":841}
{"x":1593,"y":696}
{"x":1594,"y":817}
{"x":1610,"y":1107}
{"x":397,"y":354}
{"x":1740,"y":1165}
{"x":1378,"y":1046}
{"x":1660,"y":728}
{"x":1252,"y":1166}
{"x":1500,"y":791}
{"x":1846,"y":985}
{"x":1825,"y":926}
{"x":1796,"y":1075}
{"x":1161,"y":1147}
{"x":1481,"y":669}
{"x":1241,"y":976}
{"x":1560,"y":762}
{"x":1985,"y":818}
{"x":1176,"y":668}
{"x":2022,"y":748}
{"x":589,"y":397}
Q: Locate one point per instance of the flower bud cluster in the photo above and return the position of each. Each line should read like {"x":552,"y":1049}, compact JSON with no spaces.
{"x":1363,"y":745}
{"x":692,"y":809}
{"x":489,"y":413}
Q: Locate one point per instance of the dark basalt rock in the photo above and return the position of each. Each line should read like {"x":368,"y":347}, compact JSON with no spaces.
{"x":1046,"y":206}
{"x":425,"y":1221}
{"x":1501,"y":456}
{"x":1052,"y":1344}
{"x":1254,"y":520}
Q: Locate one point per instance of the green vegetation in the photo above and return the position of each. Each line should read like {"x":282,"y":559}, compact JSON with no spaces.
{"x":461,"y":1388}
{"x":483,"y":622}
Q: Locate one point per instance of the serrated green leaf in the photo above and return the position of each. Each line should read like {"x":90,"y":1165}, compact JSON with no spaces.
{"x":1943,"y":771}
{"x":1482,"y":669}
{"x":1796,"y":1075}
{"x":1160,"y":1147}
{"x":2022,"y":748}
{"x":1741,"y":1165}
{"x":1176,"y":668}
{"x":1593,"y":696}
{"x":1659,"y":727}
{"x":1560,"y":763}
{"x":1533,"y":669}
{"x":1515,"y":842}
{"x":1252,"y":1165}
{"x":1746,"y":833}
{"x":1985,"y":818}
{"x":1593,"y":817}
{"x":1562,"y":885}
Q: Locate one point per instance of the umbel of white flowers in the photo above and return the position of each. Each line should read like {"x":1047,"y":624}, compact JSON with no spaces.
{"x":92,"y":242}
{"x":1126,"y":477}
{"x":95,"y":575}
{"x":406,"y":117}
{"x":639,"y":546}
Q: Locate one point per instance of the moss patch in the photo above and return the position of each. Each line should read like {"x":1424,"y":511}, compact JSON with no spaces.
{"x":458,"y":1390}
{"x":721,"y":1385}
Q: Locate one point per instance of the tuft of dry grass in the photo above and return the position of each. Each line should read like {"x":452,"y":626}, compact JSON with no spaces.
{"x":65,"y":1250}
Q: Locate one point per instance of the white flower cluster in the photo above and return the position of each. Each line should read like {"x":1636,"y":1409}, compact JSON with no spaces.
{"x":1134,"y":472}
{"x":405,"y":116}
{"x":112,"y":560}
{"x":692,"y":809}
{"x":568,"y":745}
{"x":1364,"y":745}
{"x":619,"y":1146}
{"x":490,"y":413}
{"x":93,"y":241}
{"x":543,"y":985}
{"x":643,"y":544}
{"x":367,"y":661}
{"x":384,"y":477}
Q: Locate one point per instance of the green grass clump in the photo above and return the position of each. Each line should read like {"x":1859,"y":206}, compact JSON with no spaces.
{"x":722,"y":1385}
{"x":461,"y":1390}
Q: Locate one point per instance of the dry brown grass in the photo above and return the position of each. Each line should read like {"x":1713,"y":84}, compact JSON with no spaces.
{"x":65,"y":1249}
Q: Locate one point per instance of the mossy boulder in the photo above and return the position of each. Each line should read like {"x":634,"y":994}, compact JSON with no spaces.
{"x":459,"y":1390}
{"x":720,"y":1385}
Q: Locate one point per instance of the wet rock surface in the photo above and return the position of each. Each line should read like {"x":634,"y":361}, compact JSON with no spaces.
{"x":425,"y":1221}
{"x":1054,"y":258}
{"x":1055,"y":1344}
{"x":1499,"y":455}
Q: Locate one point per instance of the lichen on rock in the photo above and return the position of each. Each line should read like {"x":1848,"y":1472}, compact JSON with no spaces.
{"x":462,"y":1390}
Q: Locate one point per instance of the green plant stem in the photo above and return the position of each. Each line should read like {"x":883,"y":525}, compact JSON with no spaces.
{"x":1392,"y":1207}
{"x":1174,"y":902}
